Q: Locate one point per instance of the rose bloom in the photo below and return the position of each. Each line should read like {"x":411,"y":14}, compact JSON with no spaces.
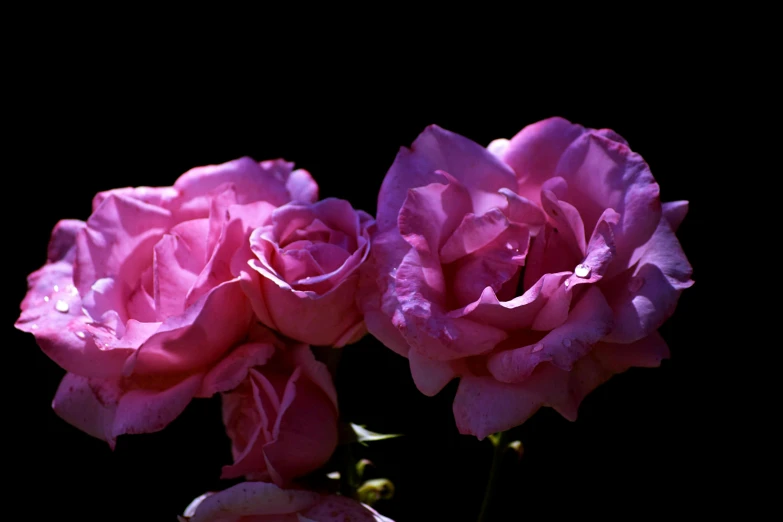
{"x":282,"y":419}
{"x":305,"y":267}
{"x":532,"y":270}
{"x":140,"y":304}
{"x":262,"y":502}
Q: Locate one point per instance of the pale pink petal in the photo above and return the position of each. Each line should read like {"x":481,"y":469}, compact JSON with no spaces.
{"x":52,"y":312}
{"x":118,"y":241}
{"x":603,"y":173}
{"x":148,"y":411}
{"x":198,"y":337}
{"x":252,"y":498}
{"x":536,"y":150}
{"x":644,"y":296}
{"x":588,"y":322}
{"x":76,"y":404}
{"x":429,"y":376}
{"x":334,"y":508}
{"x":438,"y":149}
{"x":675,"y":212}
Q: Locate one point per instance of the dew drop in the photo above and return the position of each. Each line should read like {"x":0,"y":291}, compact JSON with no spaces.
{"x":582,"y":271}
{"x":566,"y":342}
{"x":635,"y":283}
{"x":34,"y":327}
{"x":61,"y":306}
{"x":46,"y":299}
{"x":538,"y":347}
{"x":567,"y":282}
{"x":80,"y":335}
{"x":512,"y":245}
{"x":56,"y":288}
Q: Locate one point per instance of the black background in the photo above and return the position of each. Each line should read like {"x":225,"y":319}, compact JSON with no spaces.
{"x":638,"y":445}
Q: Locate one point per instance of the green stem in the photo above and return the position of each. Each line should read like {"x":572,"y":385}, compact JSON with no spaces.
{"x":500,"y":442}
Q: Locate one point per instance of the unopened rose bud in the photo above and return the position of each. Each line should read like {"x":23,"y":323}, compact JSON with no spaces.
{"x":362,"y":465}
{"x":374,"y":490}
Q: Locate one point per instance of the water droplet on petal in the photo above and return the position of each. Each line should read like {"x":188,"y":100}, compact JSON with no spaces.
{"x":34,"y":327}
{"x":538,"y":347}
{"x":635,"y":283}
{"x":582,"y":271}
{"x":61,"y":306}
{"x":56,"y":288}
{"x":567,"y":282}
{"x":566,"y":342}
{"x":46,"y":299}
{"x":512,"y":245}
{"x":80,"y":335}
{"x":72,"y":289}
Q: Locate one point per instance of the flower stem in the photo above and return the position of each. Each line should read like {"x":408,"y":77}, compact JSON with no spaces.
{"x":500,"y":444}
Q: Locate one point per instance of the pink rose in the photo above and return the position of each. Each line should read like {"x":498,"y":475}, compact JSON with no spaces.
{"x":262,"y":502}
{"x":533,"y":271}
{"x":307,"y":259}
{"x":282,"y":419}
{"x":139,"y":304}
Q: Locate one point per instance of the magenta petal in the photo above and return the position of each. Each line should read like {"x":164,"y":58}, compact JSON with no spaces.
{"x":302,"y":187}
{"x":429,"y":376}
{"x":148,"y":411}
{"x":198,"y":337}
{"x":602,"y":173}
{"x":233,"y":369}
{"x":172,"y":281}
{"x":76,"y":404}
{"x":549,"y":253}
{"x":265,"y":181}
{"x":675,"y":212}
{"x":431,"y":214}
{"x":535,"y":151}
{"x":518,"y":313}
{"x":302,"y":357}
{"x":438,"y":149}
{"x":484,"y":406}
{"x":567,"y":221}
{"x":422,"y":320}
{"x":163,"y":197}
{"x":118,"y":241}
{"x":52,"y":312}
{"x":252,"y":498}
{"x":600,"y":251}
{"x":644,"y":296}
{"x":473,"y":233}
{"x":587,"y":323}
{"x":62,"y":243}
{"x":521,"y":210}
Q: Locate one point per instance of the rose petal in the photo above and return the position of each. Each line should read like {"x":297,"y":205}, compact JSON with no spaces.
{"x":148,"y":411}
{"x":302,"y":357}
{"x":518,"y":313}
{"x":62,"y":243}
{"x":233,"y":369}
{"x":77,"y":405}
{"x":535,"y":151}
{"x":158,"y":196}
{"x":172,"y":281}
{"x":675,"y":212}
{"x":438,"y":149}
{"x":644,"y":296}
{"x":521,"y":210}
{"x":252,"y":498}
{"x":334,"y":508}
{"x":118,"y":241}
{"x":600,"y":251}
{"x":302,"y":187}
{"x":429,"y":376}
{"x":198,"y":337}
{"x":567,"y":222}
{"x":549,"y":253}
{"x":246,"y":415}
{"x":588,"y":322}
{"x":603,"y":173}
{"x":52,"y":312}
